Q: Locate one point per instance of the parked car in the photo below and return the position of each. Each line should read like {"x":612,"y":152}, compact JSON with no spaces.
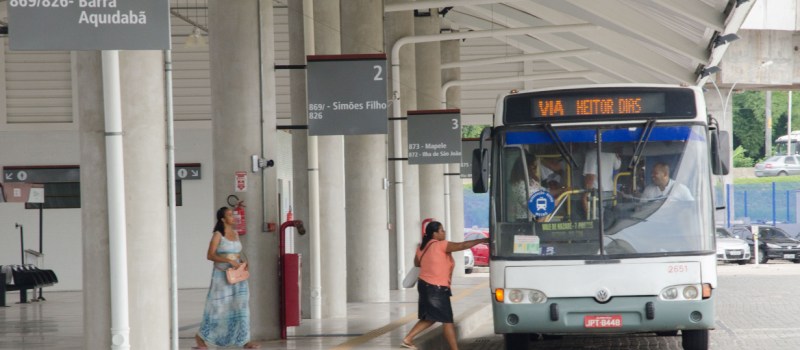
{"x":730,"y":248}
{"x":480,"y":251}
{"x":778,"y":166}
{"x":773,"y":243}
{"x":469,"y":261}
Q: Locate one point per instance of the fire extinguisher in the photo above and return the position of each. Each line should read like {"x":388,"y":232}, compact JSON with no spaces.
{"x":239,"y":217}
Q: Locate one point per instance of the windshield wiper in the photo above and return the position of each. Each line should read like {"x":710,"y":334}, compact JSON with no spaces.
{"x":648,"y":129}
{"x":560,"y":144}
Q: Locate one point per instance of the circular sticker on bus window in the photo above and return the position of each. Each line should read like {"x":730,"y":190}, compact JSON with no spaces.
{"x":541,"y":203}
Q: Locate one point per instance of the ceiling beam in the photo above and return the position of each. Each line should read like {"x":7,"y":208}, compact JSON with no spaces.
{"x":518,"y":58}
{"x":430,"y":4}
{"x":607,"y":60}
{"x":607,"y":42}
{"x":620,"y":18}
{"x":697,"y":11}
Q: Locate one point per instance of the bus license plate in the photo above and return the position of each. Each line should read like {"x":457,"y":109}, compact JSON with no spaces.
{"x":788,"y":256}
{"x":610,"y":321}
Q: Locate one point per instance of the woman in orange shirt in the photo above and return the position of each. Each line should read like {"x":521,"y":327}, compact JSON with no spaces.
{"x":436,"y":264}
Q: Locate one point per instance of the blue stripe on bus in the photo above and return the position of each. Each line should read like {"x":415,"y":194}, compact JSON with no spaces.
{"x":660,"y":133}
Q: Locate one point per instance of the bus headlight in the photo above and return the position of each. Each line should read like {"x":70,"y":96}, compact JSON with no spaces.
{"x":690,"y":292}
{"x":515,"y":296}
{"x":681,"y":292}
{"x":669,"y":293}
{"x":520,"y":296}
{"x":537,"y":297}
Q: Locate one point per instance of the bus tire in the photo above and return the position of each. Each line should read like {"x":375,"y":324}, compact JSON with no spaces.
{"x":514,"y":341}
{"x":696,"y":339}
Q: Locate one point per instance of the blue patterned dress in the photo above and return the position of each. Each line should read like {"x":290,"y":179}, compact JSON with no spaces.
{"x":226,"y":319}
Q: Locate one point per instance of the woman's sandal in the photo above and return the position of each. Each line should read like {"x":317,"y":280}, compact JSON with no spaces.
{"x":252,"y":346}
{"x":407,"y":345}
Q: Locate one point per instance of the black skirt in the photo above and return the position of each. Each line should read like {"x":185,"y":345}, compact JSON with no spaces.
{"x":434,"y":303}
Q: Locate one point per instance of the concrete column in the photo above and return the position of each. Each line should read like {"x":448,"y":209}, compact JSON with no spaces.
{"x":142,"y":93}
{"x":144,"y":140}
{"x":451,"y":52}
{"x":429,"y":86}
{"x":243,"y":124}
{"x":365,"y":169}
{"x":94,"y":203}
{"x":333,"y":224}
{"x":399,"y":25}
{"x":300,"y":209}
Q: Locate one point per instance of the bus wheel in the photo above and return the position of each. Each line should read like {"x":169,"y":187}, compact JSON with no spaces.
{"x":695,"y":339}
{"x":516,"y":341}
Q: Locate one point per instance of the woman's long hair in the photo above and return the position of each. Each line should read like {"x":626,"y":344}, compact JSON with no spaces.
{"x":432,"y":227}
{"x":220,"y":226}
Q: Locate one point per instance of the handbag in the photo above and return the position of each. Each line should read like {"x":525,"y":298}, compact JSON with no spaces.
{"x":413,"y":274}
{"x":236,"y":275}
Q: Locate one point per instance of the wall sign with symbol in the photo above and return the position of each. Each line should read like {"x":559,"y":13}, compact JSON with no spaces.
{"x":241,"y":181}
{"x":188,"y":171}
{"x":541,"y":203}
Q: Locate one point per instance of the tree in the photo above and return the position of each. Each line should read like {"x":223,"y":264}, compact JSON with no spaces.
{"x":749,"y":119}
{"x":472,"y":131}
{"x":748,"y":122}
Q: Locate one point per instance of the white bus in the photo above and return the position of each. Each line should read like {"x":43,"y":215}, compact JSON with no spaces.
{"x":621,"y":254}
{"x":785,"y":145}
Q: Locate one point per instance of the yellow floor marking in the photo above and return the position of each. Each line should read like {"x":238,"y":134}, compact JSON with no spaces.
{"x":398,"y":323}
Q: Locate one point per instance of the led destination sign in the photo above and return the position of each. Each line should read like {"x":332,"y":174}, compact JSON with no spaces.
{"x":603,"y":103}
{"x":652,"y":103}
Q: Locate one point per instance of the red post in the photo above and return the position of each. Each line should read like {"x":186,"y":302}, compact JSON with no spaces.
{"x":281,"y":262}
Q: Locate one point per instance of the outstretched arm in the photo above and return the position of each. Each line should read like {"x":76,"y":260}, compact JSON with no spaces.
{"x":456,"y":246}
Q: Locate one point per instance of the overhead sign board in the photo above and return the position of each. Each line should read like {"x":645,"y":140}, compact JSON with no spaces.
{"x":187,"y":171}
{"x":88,"y":24}
{"x":42,"y":174}
{"x":347,"y":94}
{"x":434,"y":137}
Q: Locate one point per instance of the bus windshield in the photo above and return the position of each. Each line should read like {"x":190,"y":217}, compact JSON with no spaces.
{"x":635,"y":190}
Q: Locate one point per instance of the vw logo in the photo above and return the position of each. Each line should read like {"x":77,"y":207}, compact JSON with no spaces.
{"x":602,"y":295}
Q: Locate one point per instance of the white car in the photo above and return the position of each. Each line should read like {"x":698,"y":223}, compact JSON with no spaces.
{"x":469,"y":261}
{"x":731,"y":248}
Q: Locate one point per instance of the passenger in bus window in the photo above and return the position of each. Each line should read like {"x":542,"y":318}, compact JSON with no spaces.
{"x":552,"y":171}
{"x":664,"y":187}
{"x":609,"y":162}
{"x":522,"y":187}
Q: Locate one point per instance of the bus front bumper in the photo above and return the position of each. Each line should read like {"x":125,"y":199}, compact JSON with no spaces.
{"x":619,"y":315}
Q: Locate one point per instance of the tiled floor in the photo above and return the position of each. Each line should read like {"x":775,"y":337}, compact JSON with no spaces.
{"x":58,"y":322}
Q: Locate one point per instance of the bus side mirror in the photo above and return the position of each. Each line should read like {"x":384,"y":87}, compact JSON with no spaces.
{"x":480,"y":170}
{"x":720,"y":144}
{"x":480,"y":163}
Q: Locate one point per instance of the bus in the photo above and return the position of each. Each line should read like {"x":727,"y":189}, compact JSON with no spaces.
{"x":583,"y":238}
{"x":786,"y":145}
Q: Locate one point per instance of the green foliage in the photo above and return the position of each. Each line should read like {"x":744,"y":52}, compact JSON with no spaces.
{"x":766,"y":180}
{"x":472,"y":131}
{"x":749,"y":119}
{"x":740,"y":160}
{"x":748,"y":122}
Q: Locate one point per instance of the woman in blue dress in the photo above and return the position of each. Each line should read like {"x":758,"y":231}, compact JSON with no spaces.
{"x":226,"y":319}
